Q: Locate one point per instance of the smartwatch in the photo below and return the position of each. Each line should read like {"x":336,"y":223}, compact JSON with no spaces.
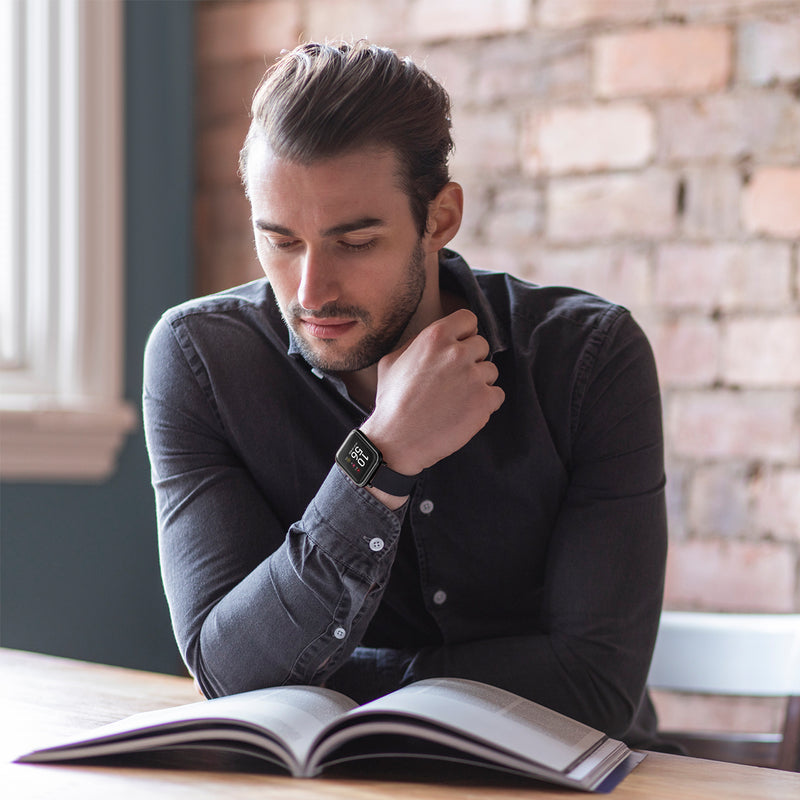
{"x":363,"y":463}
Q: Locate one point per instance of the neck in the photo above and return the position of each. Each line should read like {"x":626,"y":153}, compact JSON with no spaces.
{"x":362,"y":385}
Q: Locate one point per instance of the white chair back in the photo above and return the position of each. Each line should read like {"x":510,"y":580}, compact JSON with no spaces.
{"x":721,"y":653}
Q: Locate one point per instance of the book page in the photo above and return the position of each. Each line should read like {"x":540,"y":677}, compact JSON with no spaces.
{"x":493,"y":716}
{"x":292,"y":716}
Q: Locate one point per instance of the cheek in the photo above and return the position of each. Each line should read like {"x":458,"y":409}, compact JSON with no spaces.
{"x":280,"y":278}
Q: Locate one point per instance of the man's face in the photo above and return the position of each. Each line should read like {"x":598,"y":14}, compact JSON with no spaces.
{"x":338,"y":243}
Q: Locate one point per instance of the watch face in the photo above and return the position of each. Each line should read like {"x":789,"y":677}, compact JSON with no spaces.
{"x":358,"y":458}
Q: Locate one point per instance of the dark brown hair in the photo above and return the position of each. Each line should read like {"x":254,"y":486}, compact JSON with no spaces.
{"x":324,"y":100}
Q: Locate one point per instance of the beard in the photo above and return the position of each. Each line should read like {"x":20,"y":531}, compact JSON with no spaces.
{"x":378,"y":341}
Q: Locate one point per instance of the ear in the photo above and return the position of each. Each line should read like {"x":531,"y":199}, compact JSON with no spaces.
{"x":444,"y":216}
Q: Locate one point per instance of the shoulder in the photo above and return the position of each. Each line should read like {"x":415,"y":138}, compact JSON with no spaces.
{"x":217,"y":332}
{"x":209,"y":319}
{"x":533,"y":311}
{"x":252,"y":297}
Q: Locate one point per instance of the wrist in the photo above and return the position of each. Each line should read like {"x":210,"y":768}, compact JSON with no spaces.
{"x":396,"y":456}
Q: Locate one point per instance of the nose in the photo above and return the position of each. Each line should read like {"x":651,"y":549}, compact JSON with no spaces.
{"x":318,"y":283}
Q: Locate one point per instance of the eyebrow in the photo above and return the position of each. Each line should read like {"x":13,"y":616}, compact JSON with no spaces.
{"x":336,"y":230}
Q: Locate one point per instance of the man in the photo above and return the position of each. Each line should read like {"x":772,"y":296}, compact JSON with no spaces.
{"x":514,"y":531}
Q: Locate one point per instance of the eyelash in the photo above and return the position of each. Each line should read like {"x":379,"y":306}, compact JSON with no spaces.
{"x":354,"y":248}
{"x":281,"y":245}
{"x":358,"y":248}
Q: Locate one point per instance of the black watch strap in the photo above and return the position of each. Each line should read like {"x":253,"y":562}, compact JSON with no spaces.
{"x":363,"y":463}
{"x":391,"y":482}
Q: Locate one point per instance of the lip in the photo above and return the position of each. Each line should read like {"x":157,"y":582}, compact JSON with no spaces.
{"x":327,"y":328}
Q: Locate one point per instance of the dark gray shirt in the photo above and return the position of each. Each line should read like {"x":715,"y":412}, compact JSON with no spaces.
{"x":532,"y":558}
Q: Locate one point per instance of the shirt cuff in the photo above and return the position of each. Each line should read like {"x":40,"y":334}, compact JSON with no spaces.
{"x":351,"y":526}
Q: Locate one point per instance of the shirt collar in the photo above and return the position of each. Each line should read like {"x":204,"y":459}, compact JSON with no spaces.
{"x":456,"y":276}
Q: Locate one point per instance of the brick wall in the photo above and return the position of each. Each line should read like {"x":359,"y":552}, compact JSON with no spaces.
{"x":647,"y":150}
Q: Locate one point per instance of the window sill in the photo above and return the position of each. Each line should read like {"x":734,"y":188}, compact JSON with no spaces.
{"x":78,"y":443}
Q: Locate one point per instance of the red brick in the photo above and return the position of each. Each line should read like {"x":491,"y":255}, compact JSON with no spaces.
{"x":228,"y":262}
{"x":730,"y":576}
{"x":381,"y":23}
{"x":485,"y":142}
{"x":769,"y":51}
{"x":762,"y":352}
{"x":719,"y":500}
{"x":686,"y":350}
{"x":456,"y":19}
{"x":728,"y":277}
{"x":620,"y":274}
{"x":662,"y":61}
{"x":612,"y":206}
{"x":760,"y":124}
{"x":532,"y":68}
{"x":679,"y":473}
{"x":702,"y":128}
{"x":453,"y":68}
{"x":681,"y":712}
{"x":225,"y":91}
{"x":217,"y":153}
{"x":721,"y":9}
{"x":515,"y":216}
{"x":711,"y":202}
{"x":771,"y":202}
{"x":589,"y":138}
{"x":733,"y":424}
{"x":237,"y":31}
{"x":477,"y":201}
{"x":561,"y":14}
{"x":777,"y":504}
{"x":481,"y":255}
{"x":227,"y":213}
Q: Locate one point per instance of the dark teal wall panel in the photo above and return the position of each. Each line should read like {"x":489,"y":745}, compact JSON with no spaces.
{"x":78,"y":563}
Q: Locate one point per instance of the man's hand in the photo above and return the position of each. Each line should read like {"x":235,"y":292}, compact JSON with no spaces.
{"x":434,"y":395}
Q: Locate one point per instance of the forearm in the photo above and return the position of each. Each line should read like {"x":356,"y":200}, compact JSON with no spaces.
{"x":299,"y":611}
{"x":595,"y":684}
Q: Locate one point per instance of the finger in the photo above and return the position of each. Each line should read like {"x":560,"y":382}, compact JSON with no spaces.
{"x":488,"y":373}
{"x":462,"y":323}
{"x":476,"y":347}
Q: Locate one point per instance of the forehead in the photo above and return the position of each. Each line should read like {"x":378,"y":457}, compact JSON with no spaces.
{"x":356,"y":179}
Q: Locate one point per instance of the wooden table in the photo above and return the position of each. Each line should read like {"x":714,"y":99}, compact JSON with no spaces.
{"x":42,"y":698}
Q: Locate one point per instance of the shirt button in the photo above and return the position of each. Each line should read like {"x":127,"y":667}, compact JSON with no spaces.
{"x":426,"y":506}
{"x":440,"y":597}
{"x":376,"y":544}
{"x":340,"y":633}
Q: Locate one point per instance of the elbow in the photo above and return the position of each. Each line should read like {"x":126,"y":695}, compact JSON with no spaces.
{"x":620,"y":717}
{"x":221,"y":672}
{"x":616,"y":706}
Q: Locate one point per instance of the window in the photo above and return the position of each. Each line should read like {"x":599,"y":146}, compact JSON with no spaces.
{"x":62,"y":415}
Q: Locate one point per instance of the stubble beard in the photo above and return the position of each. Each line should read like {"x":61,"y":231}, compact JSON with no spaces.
{"x":376,"y":343}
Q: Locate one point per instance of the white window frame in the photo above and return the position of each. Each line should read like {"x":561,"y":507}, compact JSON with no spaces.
{"x":62,"y":413}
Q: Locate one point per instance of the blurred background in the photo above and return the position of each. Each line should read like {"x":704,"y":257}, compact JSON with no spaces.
{"x":645,"y":150}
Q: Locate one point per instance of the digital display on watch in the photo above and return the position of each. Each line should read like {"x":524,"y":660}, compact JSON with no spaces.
{"x":358,"y":458}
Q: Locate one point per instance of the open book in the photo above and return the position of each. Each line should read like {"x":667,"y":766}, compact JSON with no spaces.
{"x":304,"y":729}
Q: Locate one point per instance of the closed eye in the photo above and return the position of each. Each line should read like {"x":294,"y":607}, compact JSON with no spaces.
{"x":280,"y":244}
{"x":358,"y":247}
